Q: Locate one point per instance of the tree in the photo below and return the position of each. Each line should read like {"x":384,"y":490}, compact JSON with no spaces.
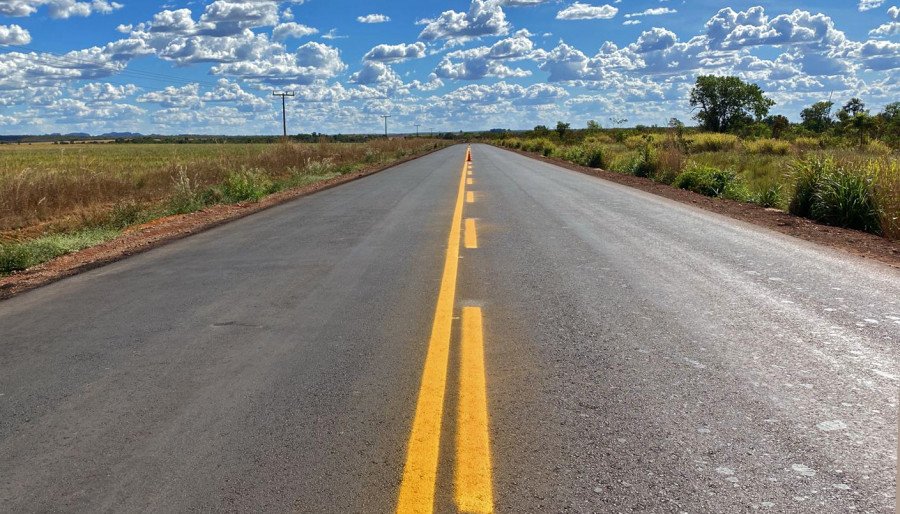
{"x":728,"y":103}
{"x":817,"y":117}
{"x":778,"y":124}
{"x":853,"y":107}
{"x":889,"y":123}
{"x":541,"y":130}
{"x":593,"y":126}
{"x":562,"y":129}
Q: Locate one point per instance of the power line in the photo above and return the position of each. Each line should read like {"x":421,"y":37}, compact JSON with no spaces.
{"x":385,"y":116}
{"x":283,"y":95}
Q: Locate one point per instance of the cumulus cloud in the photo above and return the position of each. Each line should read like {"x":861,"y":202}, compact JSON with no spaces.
{"x":484,"y":18}
{"x":485,"y":61}
{"x":395,"y":53}
{"x":57,"y":8}
{"x":657,"y":11}
{"x":14,"y":35}
{"x":292,"y":29}
{"x":580,"y":11}
{"x":373,"y":18}
{"x":866,"y":5}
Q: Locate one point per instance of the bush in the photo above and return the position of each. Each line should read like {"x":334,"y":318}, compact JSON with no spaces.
{"x":846,"y":199}
{"x":836,"y":195}
{"x":768,"y":196}
{"x":768,"y":146}
{"x":706,"y":180}
{"x":244,"y":185}
{"x":877,"y":147}
{"x":591,"y":156}
{"x":645,"y":163}
{"x":712,"y":142}
{"x":807,"y":143}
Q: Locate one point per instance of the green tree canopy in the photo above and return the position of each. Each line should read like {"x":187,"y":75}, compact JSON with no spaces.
{"x":727,"y":104}
{"x":817,"y":117}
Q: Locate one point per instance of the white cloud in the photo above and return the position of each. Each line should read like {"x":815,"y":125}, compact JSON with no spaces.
{"x":373,"y":18}
{"x":886,"y":30}
{"x":395,"y":53}
{"x":292,"y":29}
{"x":658,"y":11}
{"x":57,"y":8}
{"x":865,"y":5}
{"x":14,"y":35}
{"x":485,"y":18}
{"x":894,"y":13}
{"x":580,"y":11}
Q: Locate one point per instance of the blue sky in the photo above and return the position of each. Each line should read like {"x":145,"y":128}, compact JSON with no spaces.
{"x":210,"y":66}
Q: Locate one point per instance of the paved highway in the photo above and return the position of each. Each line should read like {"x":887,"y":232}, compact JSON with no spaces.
{"x":513,"y":337}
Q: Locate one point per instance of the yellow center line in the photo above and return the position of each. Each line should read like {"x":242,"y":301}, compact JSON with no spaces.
{"x":470,"y":182}
{"x":470,"y":197}
{"x":474,"y":489}
{"x":420,"y":471}
{"x":471,"y":234}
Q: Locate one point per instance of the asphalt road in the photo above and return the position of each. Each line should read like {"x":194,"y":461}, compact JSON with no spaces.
{"x":592,"y":348}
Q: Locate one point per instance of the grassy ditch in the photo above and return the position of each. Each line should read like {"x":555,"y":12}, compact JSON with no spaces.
{"x":849,"y":187}
{"x":56,"y":200}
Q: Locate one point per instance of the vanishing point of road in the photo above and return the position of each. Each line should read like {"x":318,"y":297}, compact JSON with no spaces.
{"x":503,"y":336}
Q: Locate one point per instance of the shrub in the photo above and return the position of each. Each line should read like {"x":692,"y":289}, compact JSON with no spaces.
{"x":186,"y":197}
{"x":645,"y":163}
{"x":247,"y":184}
{"x":671,"y":164}
{"x":713,"y":142}
{"x":705,"y":180}
{"x":836,"y":195}
{"x":807,"y":143}
{"x":768,"y":146}
{"x":637,"y":141}
{"x":769,"y":196}
{"x":594,"y":156}
{"x":877,"y":147}
{"x":846,"y":199}
{"x":887,"y":194}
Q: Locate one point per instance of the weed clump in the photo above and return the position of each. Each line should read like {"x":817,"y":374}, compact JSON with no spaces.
{"x":836,"y":195}
{"x":706,"y":180}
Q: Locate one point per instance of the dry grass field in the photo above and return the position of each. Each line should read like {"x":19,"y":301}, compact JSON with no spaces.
{"x":59,"y":198}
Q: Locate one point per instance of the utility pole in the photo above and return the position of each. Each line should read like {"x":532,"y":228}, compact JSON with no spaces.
{"x":385,"y":116}
{"x":283,"y":95}
{"x":417,"y":129}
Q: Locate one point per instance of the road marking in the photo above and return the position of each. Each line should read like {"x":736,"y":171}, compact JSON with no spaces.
{"x":470,"y":197}
{"x":420,"y":471}
{"x":470,"y":172}
{"x":471,"y":234}
{"x":474,"y":488}
{"x":470,"y":182}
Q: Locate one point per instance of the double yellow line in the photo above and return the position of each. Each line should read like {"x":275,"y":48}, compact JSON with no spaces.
{"x":473,"y":481}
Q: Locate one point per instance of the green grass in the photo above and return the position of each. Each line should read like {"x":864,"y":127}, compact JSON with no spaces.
{"x":860,"y":188}
{"x":15,"y":256}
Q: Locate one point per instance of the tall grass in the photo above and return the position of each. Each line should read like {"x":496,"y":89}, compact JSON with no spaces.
{"x":68,"y":187}
{"x":856,"y":188}
{"x":843,"y":195}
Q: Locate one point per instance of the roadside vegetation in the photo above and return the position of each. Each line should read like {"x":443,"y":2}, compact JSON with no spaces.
{"x":839,"y":168}
{"x":56,"y":199}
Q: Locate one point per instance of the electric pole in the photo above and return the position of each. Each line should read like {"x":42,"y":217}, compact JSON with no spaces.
{"x":385,"y":116}
{"x":283,"y":95}
{"x":417,"y":129}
